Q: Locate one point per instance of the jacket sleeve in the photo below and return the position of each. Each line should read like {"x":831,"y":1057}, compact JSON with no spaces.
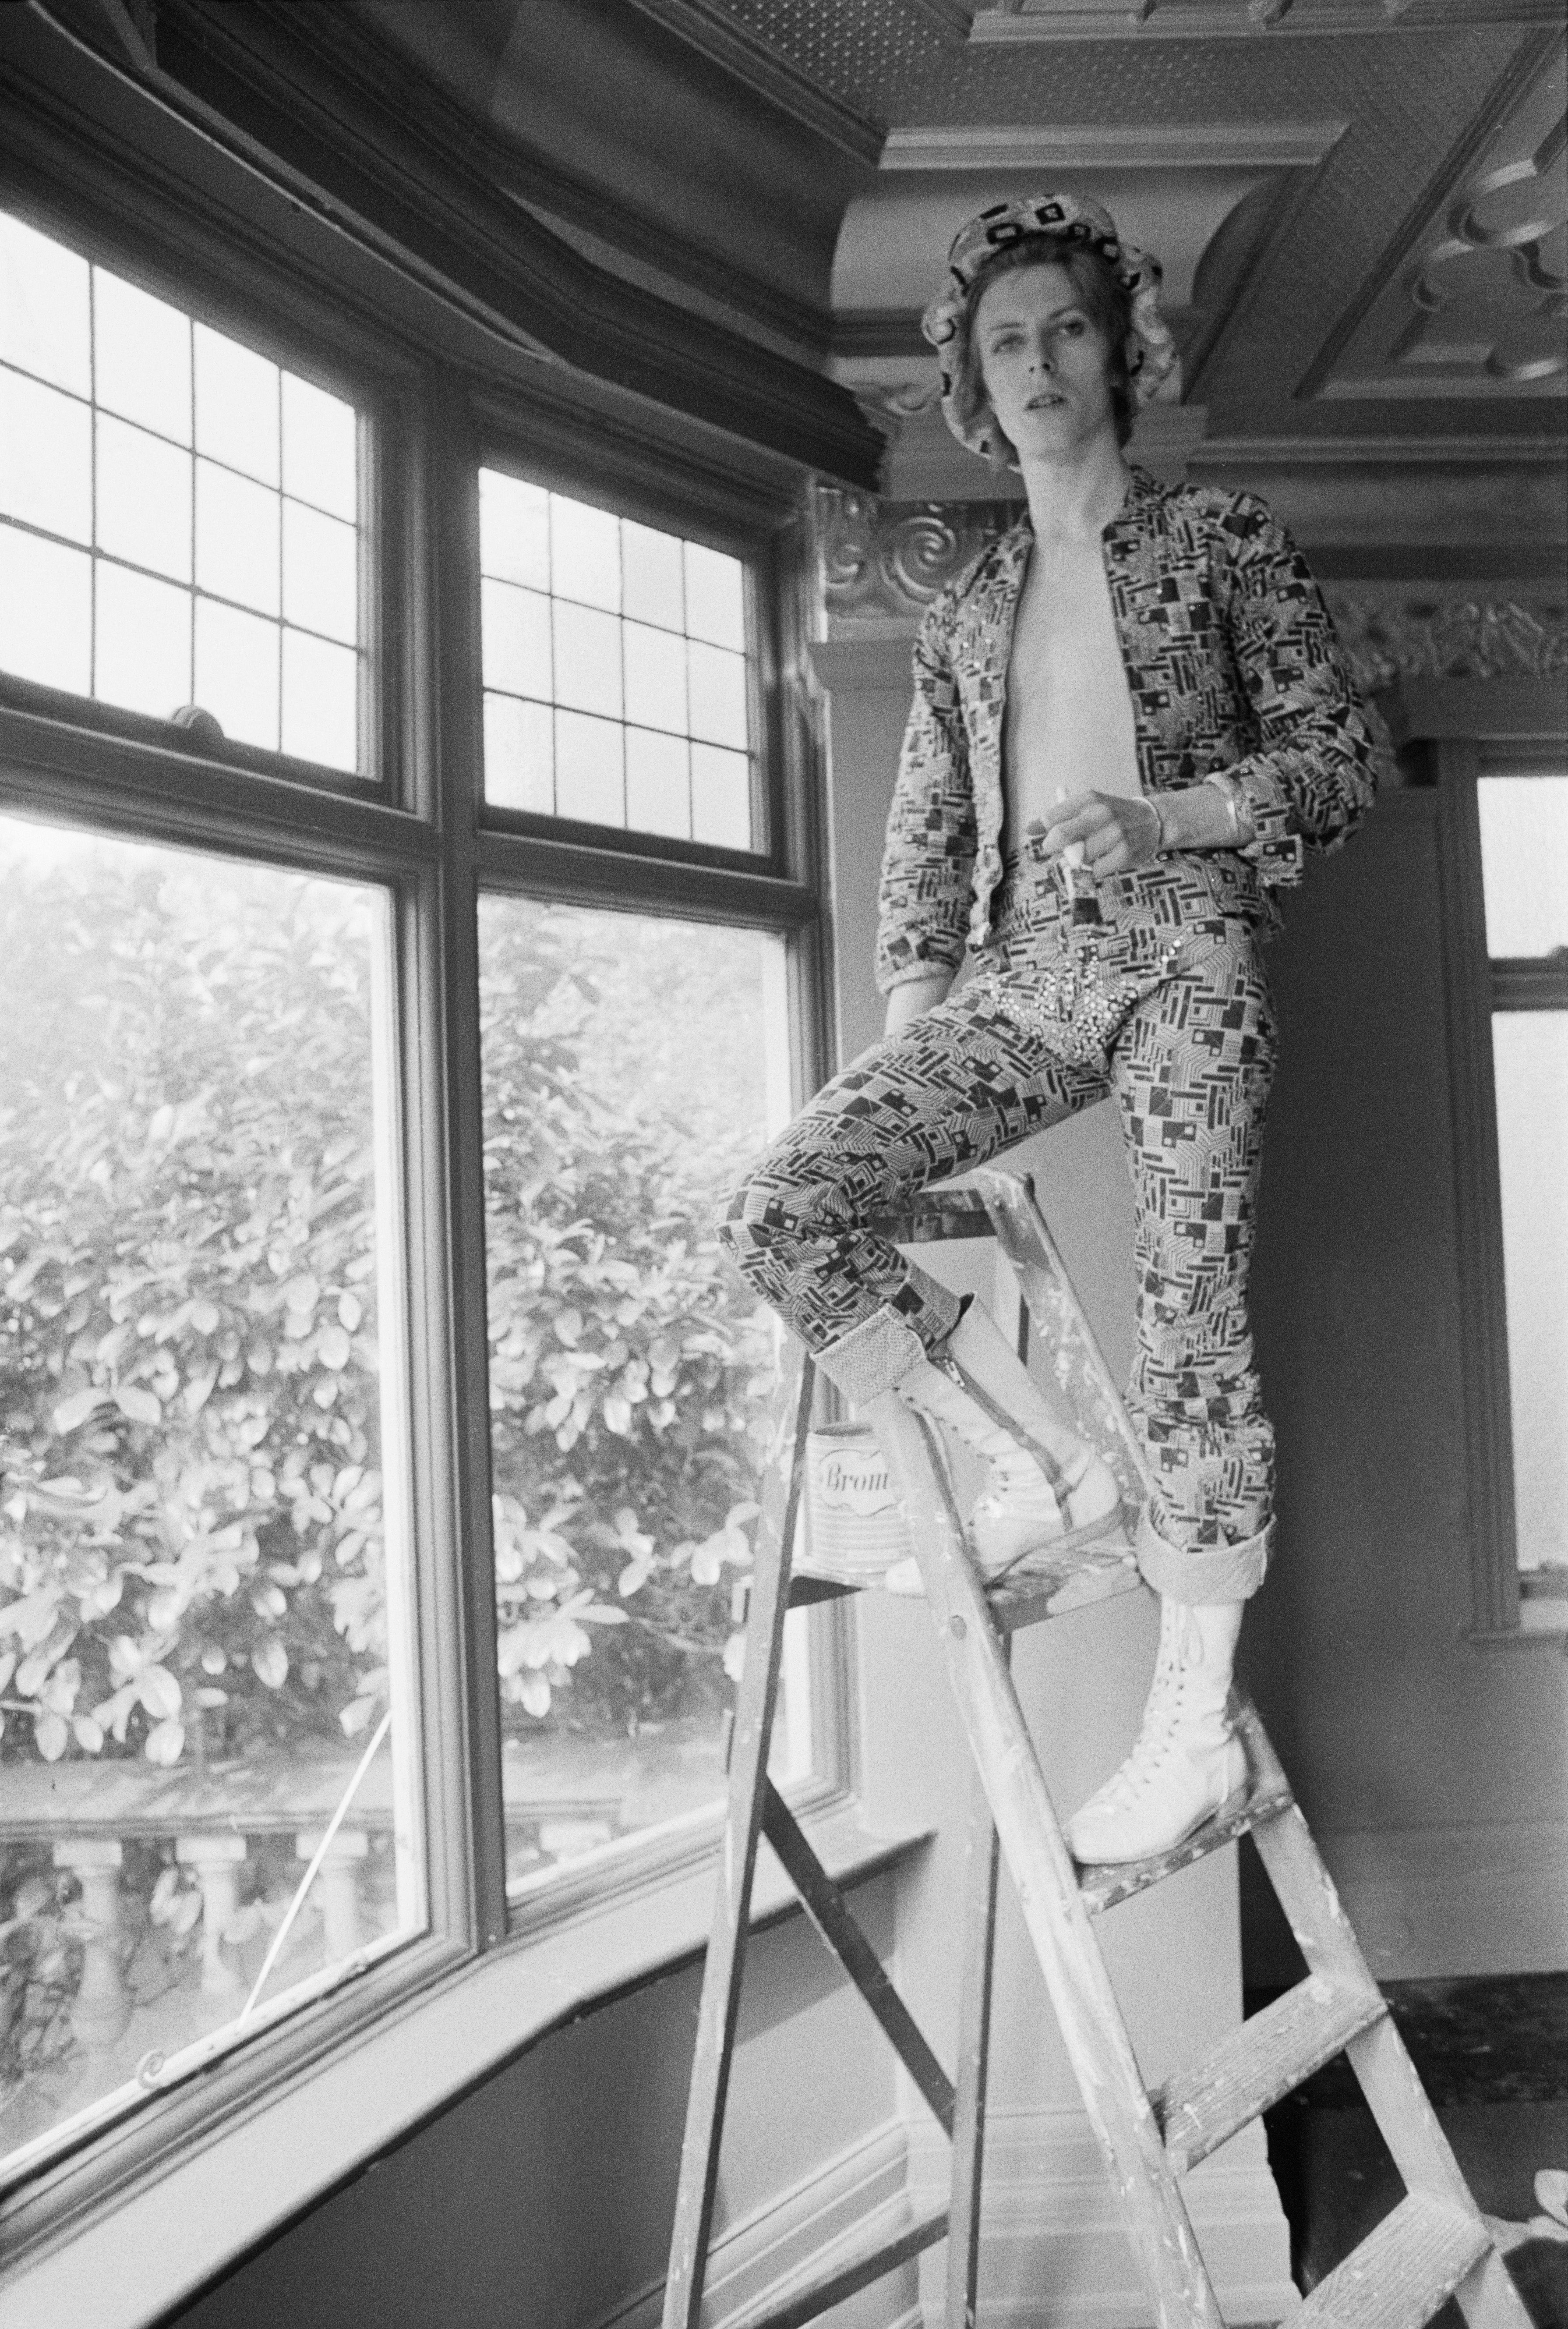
{"x":928,"y":859}
{"x":1313,"y":773}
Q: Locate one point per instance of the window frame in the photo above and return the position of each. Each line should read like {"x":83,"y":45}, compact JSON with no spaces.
{"x":562,"y":861}
{"x":415,"y":824}
{"x":377,"y":385}
{"x":677,"y":497}
{"x":1477,"y":985}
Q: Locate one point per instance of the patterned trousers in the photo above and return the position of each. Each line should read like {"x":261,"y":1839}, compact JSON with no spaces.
{"x":1137,"y":987}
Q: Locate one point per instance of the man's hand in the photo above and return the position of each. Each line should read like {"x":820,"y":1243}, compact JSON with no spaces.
{"x":1116,"y":833}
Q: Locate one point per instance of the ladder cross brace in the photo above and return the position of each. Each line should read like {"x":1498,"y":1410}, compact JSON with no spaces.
{"x":829,"y":1912}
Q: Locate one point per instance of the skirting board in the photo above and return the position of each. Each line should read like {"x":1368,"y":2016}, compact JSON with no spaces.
{"x":1053,"y":2251}
{"x":850,"y":2204}
{"x":1441,"y":1903}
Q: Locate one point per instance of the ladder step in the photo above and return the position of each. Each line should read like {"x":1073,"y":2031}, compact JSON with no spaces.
{"x":1402,"y":2273}
{"x":1266,"y":2058}
{"x":1263,"y":1798}
{"x":1096,"y":1572}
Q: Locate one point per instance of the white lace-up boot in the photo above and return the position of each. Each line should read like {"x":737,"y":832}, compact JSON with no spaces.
{"x":1045,"y":1489}
{"x":1187,"y":1761}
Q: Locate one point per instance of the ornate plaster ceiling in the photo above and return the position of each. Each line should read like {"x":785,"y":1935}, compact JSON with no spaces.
{"x":1358,"y":203}
{"x":1479,"y":307}
{"x":1281,"y":156}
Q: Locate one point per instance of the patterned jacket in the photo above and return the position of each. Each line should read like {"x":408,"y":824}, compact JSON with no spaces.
{"x":1231,"y":663}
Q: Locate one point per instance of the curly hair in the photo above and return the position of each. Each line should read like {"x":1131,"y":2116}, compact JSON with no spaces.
{"x":1104,"y":297}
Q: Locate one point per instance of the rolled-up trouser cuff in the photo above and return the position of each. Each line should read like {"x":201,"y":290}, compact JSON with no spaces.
{"x":875,"y":1356}
{"x":1209,"y":1572}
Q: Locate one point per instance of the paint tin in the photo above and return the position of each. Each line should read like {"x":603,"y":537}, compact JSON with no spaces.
{"x":855,"y":1524}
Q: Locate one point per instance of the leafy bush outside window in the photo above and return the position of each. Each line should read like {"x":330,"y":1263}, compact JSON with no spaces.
{"x":194,"y":1607}
{"x":631,"y":1066}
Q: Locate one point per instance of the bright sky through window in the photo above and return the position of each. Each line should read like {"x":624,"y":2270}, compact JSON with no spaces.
{"x":178,"y":516}
{"x":614,"y":670}
{"x":1524,"y":824}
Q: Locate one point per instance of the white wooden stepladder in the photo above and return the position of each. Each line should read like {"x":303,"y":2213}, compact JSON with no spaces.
{"x":1435,"y":2243}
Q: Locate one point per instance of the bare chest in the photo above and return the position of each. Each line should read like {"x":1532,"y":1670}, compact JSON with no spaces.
{"x":1069,"y":724}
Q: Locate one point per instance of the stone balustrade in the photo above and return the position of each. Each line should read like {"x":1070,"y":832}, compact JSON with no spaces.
{"x":87,"y":1813}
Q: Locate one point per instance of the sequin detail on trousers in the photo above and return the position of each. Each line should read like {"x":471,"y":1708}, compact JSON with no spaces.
{"x":1166,"y":1007}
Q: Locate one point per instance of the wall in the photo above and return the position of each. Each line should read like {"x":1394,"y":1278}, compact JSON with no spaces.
{"x":544,"y":2198}
{"x":1434,"y":1769}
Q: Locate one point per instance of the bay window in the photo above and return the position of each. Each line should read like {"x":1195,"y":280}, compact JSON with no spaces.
{"x":406,"y":895}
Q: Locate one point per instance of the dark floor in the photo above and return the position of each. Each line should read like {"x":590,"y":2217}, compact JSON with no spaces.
{"x":1493,"y":2057}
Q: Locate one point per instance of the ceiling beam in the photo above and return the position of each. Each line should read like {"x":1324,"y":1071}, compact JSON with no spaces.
{"x":1049,"y":21}
{"x":709,"y":27}
{"x":312,"y":101}
{"x":1157,"y":146}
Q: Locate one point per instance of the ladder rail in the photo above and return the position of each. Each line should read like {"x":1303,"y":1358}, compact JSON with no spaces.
{"x":1437,"y":2232}
{"x":980,"y":1855}
{"x":725,"y":1959}
{"x":1025,"y":1238}
{"x":828,"y":1911}
{"x":1045,"y":1881}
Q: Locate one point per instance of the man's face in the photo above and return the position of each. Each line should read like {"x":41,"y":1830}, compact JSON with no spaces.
{"x":1043,"y":362}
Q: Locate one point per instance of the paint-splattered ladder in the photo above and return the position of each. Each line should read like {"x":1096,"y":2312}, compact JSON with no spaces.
{"x":1433,"y":2246}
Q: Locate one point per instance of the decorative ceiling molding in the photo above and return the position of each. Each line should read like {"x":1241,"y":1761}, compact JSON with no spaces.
{"x":1474,"y":305}
{"x":890,"y":405}
{"x":926,"y":462}
{"x":882,"y":562}
{"x":707,"y":26}
{"x":1039,"y":20}
{"x":1385,"y":453}
{"x":893,"y":236}
{"x":1173,"y":145}
{"x":1407,"y":635}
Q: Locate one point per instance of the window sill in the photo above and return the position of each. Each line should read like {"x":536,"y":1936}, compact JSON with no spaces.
{"x":136,"y":2257}
{"x":1542,"y":1625}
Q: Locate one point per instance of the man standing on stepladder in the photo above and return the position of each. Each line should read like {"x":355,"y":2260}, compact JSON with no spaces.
{"x":1131,"y":713}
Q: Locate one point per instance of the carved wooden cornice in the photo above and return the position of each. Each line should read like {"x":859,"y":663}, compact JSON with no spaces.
{"x":880,"y":560}
{"x":1409,"y":635}
{"x":881,"y":564}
